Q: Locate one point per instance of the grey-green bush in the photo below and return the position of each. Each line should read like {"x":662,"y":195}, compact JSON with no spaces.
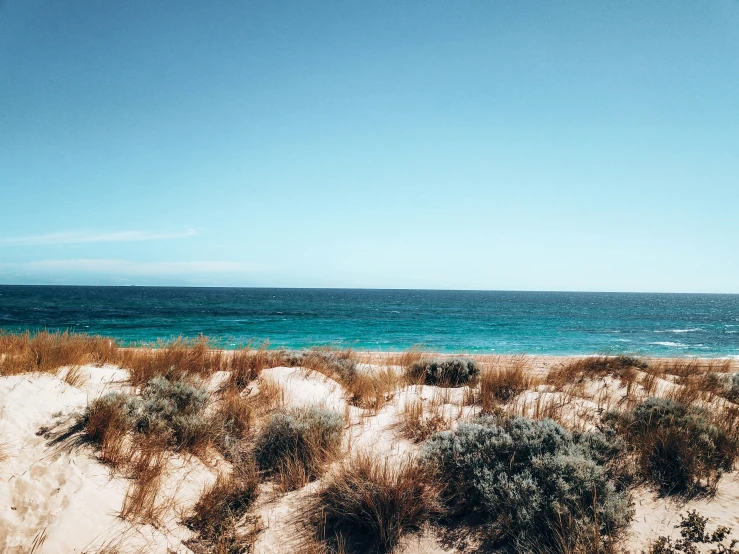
{"x":679,"y":447}
{"x":535,"y":486}
{"x":307,"y":436}
{"x":726,"y":385}
{"x":453,"y":372}
{"x":173,"y":410}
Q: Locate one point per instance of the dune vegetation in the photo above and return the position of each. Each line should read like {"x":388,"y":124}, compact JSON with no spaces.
{"x":336,"y":451}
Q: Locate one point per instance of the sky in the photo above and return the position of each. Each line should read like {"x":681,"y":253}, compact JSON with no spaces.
{"x":529,"y":145}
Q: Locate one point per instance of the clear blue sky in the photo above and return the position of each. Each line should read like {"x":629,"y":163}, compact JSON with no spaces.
{"x":575,"y":145}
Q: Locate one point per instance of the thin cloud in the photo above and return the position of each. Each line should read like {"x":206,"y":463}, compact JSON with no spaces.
{"x":133,"y":268}
{"x":81,"y":237}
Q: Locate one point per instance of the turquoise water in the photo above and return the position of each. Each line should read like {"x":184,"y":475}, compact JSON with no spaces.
{"x":469,"y":321}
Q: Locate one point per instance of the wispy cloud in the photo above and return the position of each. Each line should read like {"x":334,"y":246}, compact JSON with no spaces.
{"x":132,"y":268}
{"x":84,"y":237}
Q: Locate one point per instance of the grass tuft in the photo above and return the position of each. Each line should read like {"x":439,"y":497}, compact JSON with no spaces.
{"x":503,"y":384}
{"x":221,"y":512}
{"x":369,"y":504}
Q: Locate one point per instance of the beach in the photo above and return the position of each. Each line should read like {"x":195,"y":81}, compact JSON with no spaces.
{"x":60,"y":495}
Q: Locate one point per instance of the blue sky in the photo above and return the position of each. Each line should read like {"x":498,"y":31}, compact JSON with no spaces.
{"x":573,"y":145}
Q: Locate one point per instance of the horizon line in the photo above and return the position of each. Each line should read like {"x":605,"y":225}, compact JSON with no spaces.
{"x":368,"y":289}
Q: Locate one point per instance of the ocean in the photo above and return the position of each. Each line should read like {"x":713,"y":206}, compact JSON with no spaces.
{"x":450,"y":321}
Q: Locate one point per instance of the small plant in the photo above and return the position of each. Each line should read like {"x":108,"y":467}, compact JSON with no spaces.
{"x":298,"y":440}
{"x":535,"y":486}
{"x":106,"y":421}
{"x":679,"y":447}
{"x":219,"y":514}
{"x":693,"y":532}
{"x":417,"y":425}
{"x":336,"y":364}
{"x":247,"y":364}
{"x":232,"y":421}
{"x":726,"y":385}
{"x":448,"y":372}
{"x":369,"y":504}
{"x":173,"y":411}
{"x":622,"y":367}
{"x":502,"y":384}
{"x":141,"y":501}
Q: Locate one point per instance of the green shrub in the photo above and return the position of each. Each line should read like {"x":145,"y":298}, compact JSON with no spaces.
{"x":453,"y":372}
{"x":536,"y":487}
{"x":679,"y":447}
{"x":298,"y":438}
{"x":173,"y":411}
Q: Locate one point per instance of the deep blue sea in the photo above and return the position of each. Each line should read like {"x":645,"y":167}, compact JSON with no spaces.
{"x":469,"y":321}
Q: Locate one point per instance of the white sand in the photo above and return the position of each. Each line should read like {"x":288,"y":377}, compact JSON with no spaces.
{"x":68,"y":502}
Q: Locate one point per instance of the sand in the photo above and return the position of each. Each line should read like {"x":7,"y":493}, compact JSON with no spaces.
{"x":55,"y":500}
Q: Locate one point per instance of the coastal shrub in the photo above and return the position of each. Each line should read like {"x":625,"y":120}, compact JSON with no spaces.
{"x":535,"y":486}
{"x":218,"y":516}
{"x":451,"y":372}
{"x":336,"y":364}
{"x":693,"y":532}
{"x":173,"y":412}
{"x":723,"y":384}
{"x":298,"y":441}
{"x":681,"y":448}
{"x":369,"y":504}
{"x":732,"y":389}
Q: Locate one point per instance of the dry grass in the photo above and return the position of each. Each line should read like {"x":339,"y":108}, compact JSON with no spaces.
{"x":682,"y":448}
{"x":417,"y":423}
{"x":106,"y":423}
{"x":368,"y":504}
{"x":370,"y":389}
{"x":247,"y":364}
{"x":406,"y":359}
{"x":575,"y":371}
{"x":687,"y":368}
{"x":146,"y":471}
{"x":271,"y":396}
{"x":503,"y":382}
{"x":221,"y":514}
{"x":233,"y":418}
{"x":373,"y":390}
{"x":47,"y":352}
{"x":179,"y":360}
{"x":74,"y":377}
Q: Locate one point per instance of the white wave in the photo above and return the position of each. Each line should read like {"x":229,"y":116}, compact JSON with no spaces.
{"x":670,"y":343}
